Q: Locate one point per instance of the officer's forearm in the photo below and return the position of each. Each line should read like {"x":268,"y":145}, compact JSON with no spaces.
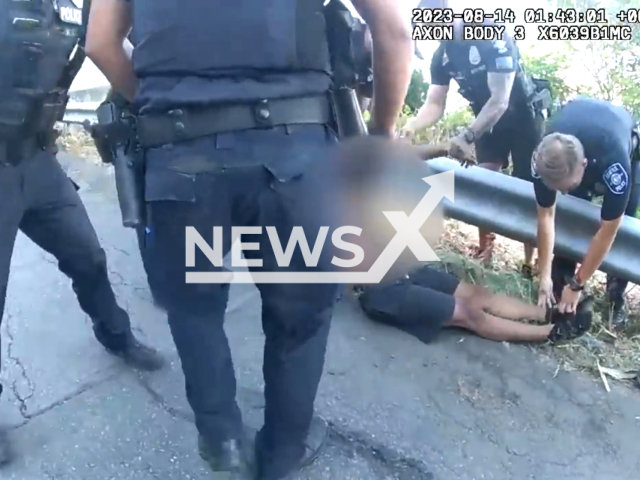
{"x":392,"y":51}
{"x":429,"y":114}
{"x":546,"y":240}
{"x":116,"y":66}
{"x":427,"y":152}
{"x":489,"y":116}
{"x":598,"y":249}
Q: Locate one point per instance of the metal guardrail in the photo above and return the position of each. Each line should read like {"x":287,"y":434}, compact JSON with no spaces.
{"x":79,"y":112}
{"x":507,"y":206}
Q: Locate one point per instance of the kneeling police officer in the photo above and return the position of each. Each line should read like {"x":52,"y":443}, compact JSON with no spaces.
{"x":590,"y":150}
{"x":36,"y":196}
{"x":504,"y":100}
{"x":234,"y":117}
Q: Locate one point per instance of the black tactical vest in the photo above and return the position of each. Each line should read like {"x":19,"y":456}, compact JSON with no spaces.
{"x":194,"y":52}
{"x":37,"y":38}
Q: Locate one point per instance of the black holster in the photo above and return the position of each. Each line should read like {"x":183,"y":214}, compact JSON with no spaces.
{"x":340,"y":25}
{"x":542,"y":98}
{"x":118,"y":131}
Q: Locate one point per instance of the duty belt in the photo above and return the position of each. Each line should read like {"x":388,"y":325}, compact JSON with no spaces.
{"x":189,"y":123}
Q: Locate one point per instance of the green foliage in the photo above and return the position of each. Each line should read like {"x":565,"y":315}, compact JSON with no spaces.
{"x":417,"y":93}
{"x":450,"y":125}
{"x":613,"y":66}
{"x":550,"y":67}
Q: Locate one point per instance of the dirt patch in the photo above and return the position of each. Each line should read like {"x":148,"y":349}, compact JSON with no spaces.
{"x":619,"y":351}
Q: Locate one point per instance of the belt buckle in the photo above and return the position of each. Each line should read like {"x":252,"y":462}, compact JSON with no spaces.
{"x":262,"y":114}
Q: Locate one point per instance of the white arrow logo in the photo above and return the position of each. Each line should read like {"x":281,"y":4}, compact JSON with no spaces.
{"x":407,"y":235}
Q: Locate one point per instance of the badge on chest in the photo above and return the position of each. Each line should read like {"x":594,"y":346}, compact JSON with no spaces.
{"x":474,"y":56}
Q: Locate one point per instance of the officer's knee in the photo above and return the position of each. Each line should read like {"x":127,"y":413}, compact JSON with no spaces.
{"x":296,"y":312}
{"x":87,"y":266}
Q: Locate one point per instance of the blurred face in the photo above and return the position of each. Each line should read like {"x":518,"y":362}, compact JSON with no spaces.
{"x":571,"y":181}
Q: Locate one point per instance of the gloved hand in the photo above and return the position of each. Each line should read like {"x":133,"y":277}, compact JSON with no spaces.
{"x":461,"y":151}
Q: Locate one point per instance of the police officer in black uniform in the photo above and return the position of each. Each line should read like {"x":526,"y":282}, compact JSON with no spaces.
{"x":36,"y":196}
{"x":234,"y":116}
{"x":492,"y":78}
{"x":590,"y":150}
{"x":105,"y":147}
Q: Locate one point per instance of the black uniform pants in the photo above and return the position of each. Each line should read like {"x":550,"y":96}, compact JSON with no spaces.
{"x":255,"y":178}
{"x":38,"y":198}
{"x":563,"y":268}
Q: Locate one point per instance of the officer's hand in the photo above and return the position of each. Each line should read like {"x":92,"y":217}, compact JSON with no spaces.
{"x":545,"y":293}
{"x":569,"y":300}
{"x":407,"y":132}
{"x":461,"y":150}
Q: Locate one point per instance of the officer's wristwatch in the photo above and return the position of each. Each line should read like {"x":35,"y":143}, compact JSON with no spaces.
{"x":575,"y":285}
{"x":469,"y":136}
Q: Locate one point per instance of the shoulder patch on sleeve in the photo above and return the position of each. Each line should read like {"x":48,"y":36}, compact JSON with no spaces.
{"x":616,"y":178}
{"x":500,"y":45}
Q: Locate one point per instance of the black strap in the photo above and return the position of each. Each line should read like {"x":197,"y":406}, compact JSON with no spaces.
{"x":75,"y":64}
{"x":86,"y":8}
{"x":155,"y":129}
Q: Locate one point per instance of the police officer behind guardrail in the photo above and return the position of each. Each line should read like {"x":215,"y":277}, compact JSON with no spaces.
{"x":590,"y":150}
{"x":234,"y":116}
{"x":507,"y":103}
{"x":36,"y":196}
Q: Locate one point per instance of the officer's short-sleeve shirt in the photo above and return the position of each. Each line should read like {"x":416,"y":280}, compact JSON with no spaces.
{"x":470,"y":62}
{"x":605,"y":133}
{"x":440,"y":73}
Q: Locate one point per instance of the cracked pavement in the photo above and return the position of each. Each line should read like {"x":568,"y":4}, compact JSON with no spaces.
{"x":461,"y":408}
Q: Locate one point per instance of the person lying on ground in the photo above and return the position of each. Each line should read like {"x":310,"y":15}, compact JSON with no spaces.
{"x":428,"y":300}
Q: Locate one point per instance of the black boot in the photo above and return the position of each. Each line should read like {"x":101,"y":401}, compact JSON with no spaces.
{"x":5,"y":449}
{"x":569,"y":326}
{"x":618,"y":317}
{"x":283,"y":465}
{"x":233,"y":458}
{"x":133,"y":352}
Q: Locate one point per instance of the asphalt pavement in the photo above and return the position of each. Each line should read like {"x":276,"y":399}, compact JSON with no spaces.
{"x":459,"y":409}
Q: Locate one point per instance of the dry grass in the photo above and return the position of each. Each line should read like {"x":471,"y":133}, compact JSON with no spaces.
{"x":75,"y":140}
{"x":617,"y":351}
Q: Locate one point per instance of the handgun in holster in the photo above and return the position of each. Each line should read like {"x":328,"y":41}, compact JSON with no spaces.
{"x":118,"y":134}
{"x":340,"y":26}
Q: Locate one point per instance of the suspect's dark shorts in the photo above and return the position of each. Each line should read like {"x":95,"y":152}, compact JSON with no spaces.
{"x":419,"y":305}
